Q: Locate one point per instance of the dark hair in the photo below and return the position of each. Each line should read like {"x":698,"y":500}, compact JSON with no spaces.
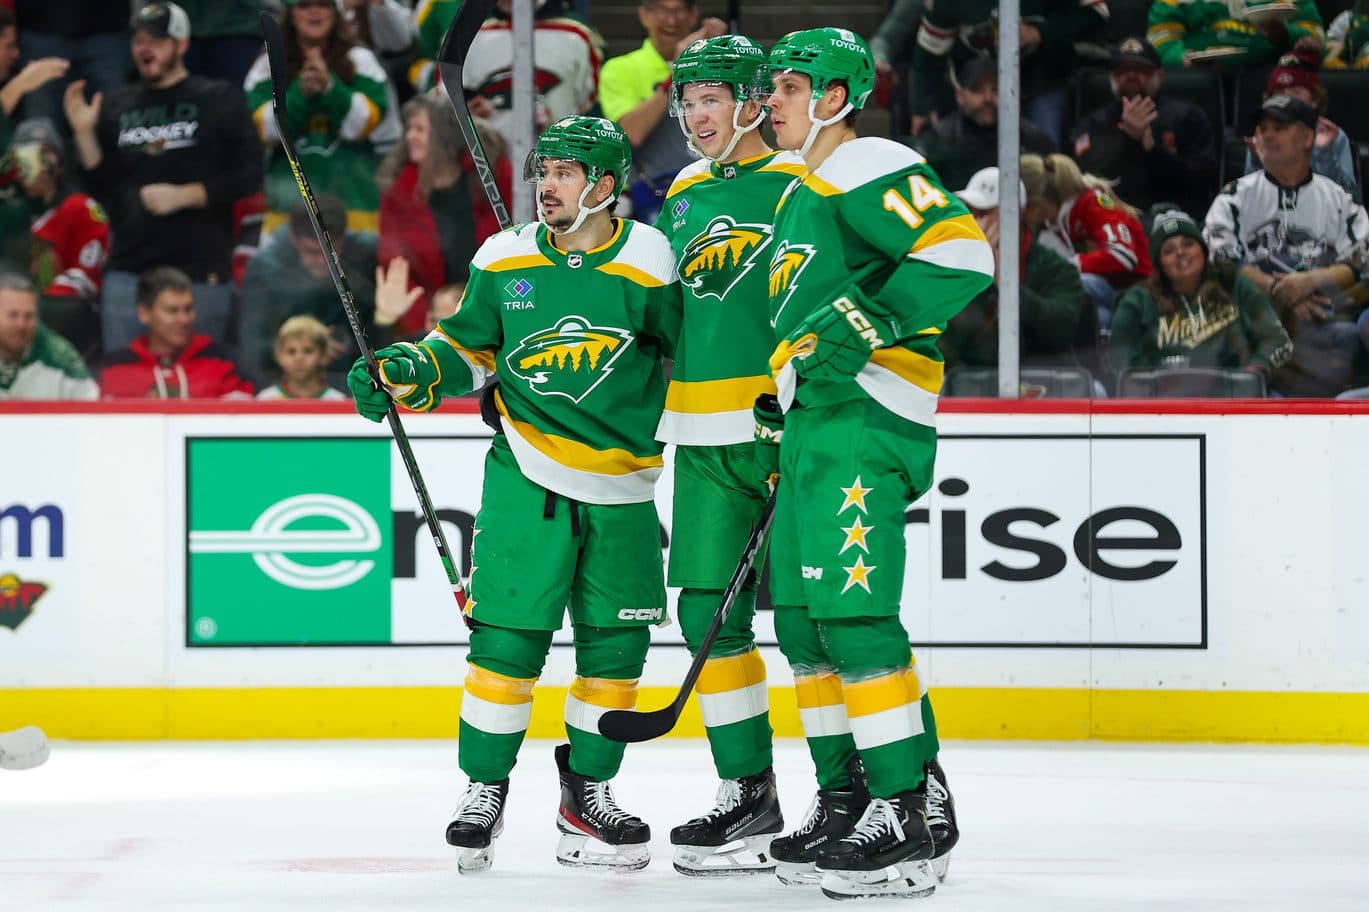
{"x":332,"y":210}
{"x":339,"y":42}
{"x":159,"y":279}
{"x":1211,"y":287}
{"x":6,"y":18}
{"x":15,"y":281}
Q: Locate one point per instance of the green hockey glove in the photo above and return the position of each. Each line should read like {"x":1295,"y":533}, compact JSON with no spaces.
{"x":410,"y":373}
{"x":371,"y":403}
{"x":769,"y":431}
{"x":835,"y":341}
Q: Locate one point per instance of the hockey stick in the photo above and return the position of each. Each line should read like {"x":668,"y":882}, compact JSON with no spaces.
{"x":275,"y":56}
{"x":23,"y":748}
{"x":629,"y":726}
{"x":451,"y":59}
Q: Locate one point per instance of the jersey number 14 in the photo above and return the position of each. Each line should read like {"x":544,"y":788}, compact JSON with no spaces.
{"x":924,"y":195}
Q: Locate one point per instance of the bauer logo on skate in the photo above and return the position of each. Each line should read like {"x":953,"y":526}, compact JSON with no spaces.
{"x":719,"y":256}
{"x":570,"y":359}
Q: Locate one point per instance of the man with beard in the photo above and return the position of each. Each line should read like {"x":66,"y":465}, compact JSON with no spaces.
{"x":1154,"y":147}
{"x":168,"y":156}
{"x":961,"y":144}
{"x":573,"y":315}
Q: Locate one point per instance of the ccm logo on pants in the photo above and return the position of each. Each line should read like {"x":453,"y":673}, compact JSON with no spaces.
{"x":640,"y":614}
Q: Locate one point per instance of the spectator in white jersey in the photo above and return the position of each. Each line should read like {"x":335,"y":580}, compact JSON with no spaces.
{"x":35,"y":362}
{"x":1301,"y":239}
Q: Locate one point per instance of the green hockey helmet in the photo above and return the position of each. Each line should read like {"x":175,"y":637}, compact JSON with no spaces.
{"x":827,"y":55}
{"x":726,"y":60}
{"x":595,"y":142}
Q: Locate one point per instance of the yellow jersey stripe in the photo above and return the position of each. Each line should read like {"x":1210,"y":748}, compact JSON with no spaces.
{"x":820,"y":186}
{"x":607,"y":693}
{"x":731,"y":673}
{"x":684,"y":183}
{"x":526,"y":261}
{"x":480,"y":356}
{"x":959,"y":227}
{"x":917,"y":369}
{"x":785,"y":167}
{"x":631,"y":273}
{"x":706,"y":397}
{"x":886,"y":692}
{"x":818,"y":690}
{"x":576,"y":455}
{"x":493,"y":687}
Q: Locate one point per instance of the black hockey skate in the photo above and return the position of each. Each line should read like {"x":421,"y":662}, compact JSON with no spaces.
{"x":476,"y":824}
{"x":940,"y":818}
{"x":589,"y":812}
{"x":891,"y":834}
{"x":832,"y":815}
{"x":734,"y":837}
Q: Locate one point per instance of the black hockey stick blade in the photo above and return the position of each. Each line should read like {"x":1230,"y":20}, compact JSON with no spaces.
{"x":628,"y":726}
{"x":451,"y":60}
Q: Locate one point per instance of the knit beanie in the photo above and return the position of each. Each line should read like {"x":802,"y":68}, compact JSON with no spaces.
{"x":1167,"y":220}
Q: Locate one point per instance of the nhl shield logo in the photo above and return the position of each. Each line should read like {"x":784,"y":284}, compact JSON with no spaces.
{"x":17,"y":599}
{"x":570,"y":359}
{"x":574,"y":260}
{"x":717,"y":258}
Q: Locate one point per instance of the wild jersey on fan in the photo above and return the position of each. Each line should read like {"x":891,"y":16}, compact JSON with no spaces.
{"x":721,"y":230}
{"x":872,"y":216}
{"x":576,"y":341}
{"x":1278,"y":229}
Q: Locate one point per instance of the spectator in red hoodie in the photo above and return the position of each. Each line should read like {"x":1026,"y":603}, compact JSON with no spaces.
{"x":170,"y":360}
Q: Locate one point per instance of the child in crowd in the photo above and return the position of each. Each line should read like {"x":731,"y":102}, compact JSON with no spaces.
{"x":302,"y":355}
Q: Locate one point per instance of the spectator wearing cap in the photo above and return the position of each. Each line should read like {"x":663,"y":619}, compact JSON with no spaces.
{"x":33,"y":76}
{"x":951,"y":32}
{"x":1051,"y":296}
{"x":92,"y":36}
{"x":1300,"y":238}
{"x":1296,"y":76}
{"x":962,"y":143}
{"x":167,"y":156}
{"x":343,"y":114}
{"x":1150,"y":145}
{"x":67,"y":234}
{"x":1192,"y":312}
{"x":1220,"y":32}
{"x":1347,"y":39}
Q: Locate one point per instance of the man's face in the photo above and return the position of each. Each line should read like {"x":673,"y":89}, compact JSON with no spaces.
{"x":788,"y":103}
{"x":708,"y":112}
{"x":155,"y":58}
{"x":18,"y":323}
{"x":9,"y":49}
{"x":559,"y":189}
{"x":311,"y":255}
{"x":979,"y":101}
{"x":1282,"y":144}
{"x":170,"y":321}
{"x":667,"y":21}
{"x":1132,"y":79}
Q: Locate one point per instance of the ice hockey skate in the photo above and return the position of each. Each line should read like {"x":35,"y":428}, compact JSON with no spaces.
{"x":886,"y":855}
{"x":831,"y":816}
{"x":734,"y":837}
{"x":940,"y":818}
{"x":476,"y":824}
{"x":595,"y":832}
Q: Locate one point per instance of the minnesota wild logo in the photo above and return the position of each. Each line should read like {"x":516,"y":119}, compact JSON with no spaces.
{"x":570,"y":359}
{"x":786,"y":266}
{"x":716,"y":260}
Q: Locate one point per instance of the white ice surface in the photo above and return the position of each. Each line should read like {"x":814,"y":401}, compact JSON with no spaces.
{"x":343,"y":826}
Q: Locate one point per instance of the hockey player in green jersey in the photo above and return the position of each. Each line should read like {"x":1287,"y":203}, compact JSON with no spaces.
{"x":717,"y":215}
{"x":573,"y":315}
{"x":871,"y":257}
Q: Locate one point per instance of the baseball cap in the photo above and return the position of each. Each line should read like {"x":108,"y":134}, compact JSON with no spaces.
{"x":982,"y":190}
{"x":162,"y":20}
{"x":1289,"y":110}
{"x":974,"y":69}
{"x":1135,"y":51}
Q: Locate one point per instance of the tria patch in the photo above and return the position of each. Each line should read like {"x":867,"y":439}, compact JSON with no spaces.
{"x":716,"y":259}
{"x":680,"y":208}
{"x":17,"y":599}
{"x":569,"y":359}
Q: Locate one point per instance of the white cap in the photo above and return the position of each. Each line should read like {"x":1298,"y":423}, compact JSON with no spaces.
{"x":982,"y":190}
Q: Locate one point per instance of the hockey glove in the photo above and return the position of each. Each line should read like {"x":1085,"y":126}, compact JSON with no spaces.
{"x":410,"y":374}
{"x":835,"y":341}
{"x":769,"y":431}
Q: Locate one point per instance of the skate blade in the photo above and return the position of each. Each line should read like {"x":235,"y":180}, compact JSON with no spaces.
{"x":941,"y":867}
{"x":748,"y":855}
{"x":23,"y":749}
{"x":474,"y":861}
{"x":575,"y":850}
{"x":797,"y":874}
{"x":908,"y":880}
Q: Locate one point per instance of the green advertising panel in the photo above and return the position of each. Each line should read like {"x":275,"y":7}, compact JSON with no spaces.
{"x":289,"y":541}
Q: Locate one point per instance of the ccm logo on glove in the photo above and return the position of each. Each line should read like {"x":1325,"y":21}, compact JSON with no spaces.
{"x":859,"y":322}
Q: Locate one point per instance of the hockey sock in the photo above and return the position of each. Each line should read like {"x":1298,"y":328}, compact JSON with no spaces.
{"x":822,"y":708}
{"x":496,"y":704}
{"x":733,"y":697}
{"x":608,"y":662}
{"x":885,"y":701}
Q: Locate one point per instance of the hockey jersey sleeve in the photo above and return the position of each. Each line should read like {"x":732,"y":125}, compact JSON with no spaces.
{"x":75,"y":242}
{"x":1166,"y":29}
{"x":935,"y":39}
{"x":345,"y":110}
{"x":1352,"y":247}
{"x":1270,"y":346}
{"x":942,"y":256}
{"x":1220,"y":228}
{"x":464,"y":344}
{"x":431,"y":20}
{"x":1114,"y":236}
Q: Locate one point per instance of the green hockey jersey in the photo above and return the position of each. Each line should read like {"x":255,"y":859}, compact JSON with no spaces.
{"x":576,"y":340}
{"x":873,"y":217}
{"x":1176,"y":26}
{"x":719,"y":219}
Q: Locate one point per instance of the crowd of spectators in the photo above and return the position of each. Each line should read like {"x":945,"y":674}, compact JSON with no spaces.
{"x":1191,"y":180}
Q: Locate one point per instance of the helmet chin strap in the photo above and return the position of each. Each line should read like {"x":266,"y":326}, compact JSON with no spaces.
{"x":584,"y":213}
{"x":738,"y":131}
{"x":819,"y":124}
